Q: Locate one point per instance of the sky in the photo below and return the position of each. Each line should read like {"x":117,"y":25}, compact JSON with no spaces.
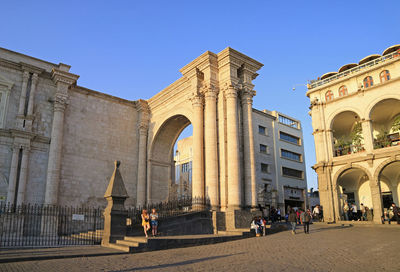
{"x":134,"y":49}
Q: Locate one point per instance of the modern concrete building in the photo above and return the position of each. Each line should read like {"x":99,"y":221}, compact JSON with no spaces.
{"x":356,"y":120}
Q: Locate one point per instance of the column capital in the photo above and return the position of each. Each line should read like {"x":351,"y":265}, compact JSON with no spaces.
{"x":197,"y":100}
{"x":210,"y":91}
{"x":35,"y":78}
{"x":60,"y":102}
{"x":231,"y":90}
{"x":25,"y":75}
{"x":247,"y":95}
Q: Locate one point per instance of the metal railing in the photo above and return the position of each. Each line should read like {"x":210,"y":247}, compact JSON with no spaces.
{"x":318,"y":83}
{"x":347,"y":149}
{"x":168,"y":209}
{"x":44,"y":225}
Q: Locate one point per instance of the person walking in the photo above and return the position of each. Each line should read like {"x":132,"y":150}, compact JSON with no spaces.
{"x":354,"y":211}
{"x":145,"y":221}
{"x":396,"y":213}
{"x":292,"y":219}
{"x":154,"y":222}
{"x":316,"y":212}
{"x":306,"y":219}
{"x":346,"y":209}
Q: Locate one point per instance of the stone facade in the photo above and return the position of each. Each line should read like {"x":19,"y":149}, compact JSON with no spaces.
{"x":354,"y":114}
{"x":58,"y":140}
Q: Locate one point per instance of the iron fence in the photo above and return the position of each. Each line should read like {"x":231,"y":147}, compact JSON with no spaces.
{"x":169,"y":208}
{"x":45,"y":225}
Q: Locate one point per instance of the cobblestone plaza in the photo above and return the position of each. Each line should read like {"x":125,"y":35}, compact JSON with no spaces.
{"x":326,"y":248}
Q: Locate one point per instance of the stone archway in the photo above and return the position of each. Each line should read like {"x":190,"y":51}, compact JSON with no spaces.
{"x":388,"y":172}
{"x":161,"y":161}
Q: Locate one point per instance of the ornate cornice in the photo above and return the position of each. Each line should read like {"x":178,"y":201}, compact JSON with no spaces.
{"x":58,"y":75}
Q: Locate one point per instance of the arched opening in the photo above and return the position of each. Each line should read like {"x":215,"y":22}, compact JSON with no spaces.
{"x":162,"y":159}
{"x":389,"y":179}
{"x":347,"y":134}
{"x":354,"y":190}
{"x":385,"y":117}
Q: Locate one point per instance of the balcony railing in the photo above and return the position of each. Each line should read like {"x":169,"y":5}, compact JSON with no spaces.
{"x":392,"y":140}
{"x":347,"y":149}
{"x":314,"y":84}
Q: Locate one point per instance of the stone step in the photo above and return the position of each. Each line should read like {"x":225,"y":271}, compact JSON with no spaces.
{"x":230,"y":233}
{"x":124,"y":248}
{"x":127,"y":243}
{"x":137,"y":239}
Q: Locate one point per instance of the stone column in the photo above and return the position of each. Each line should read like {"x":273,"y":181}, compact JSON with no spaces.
{"x":367,"y":134}
{"x":198,"y":163}
{"x":249,"y":156}
{"x":32,"y":94}
{"x":211,"y":152}
{"x":142,"y":159}
{"x":376,"y":200}
{"x":23,"y":176}
{"x":63,"y":81}
{"x":329,"y":136}
{"x":234,"y":186}
{"x":54,"y":164}
{"x":25,"y":78}
{"x":12,"y":181}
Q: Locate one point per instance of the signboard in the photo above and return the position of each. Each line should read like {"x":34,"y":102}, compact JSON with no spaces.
{"x":78,"y":217}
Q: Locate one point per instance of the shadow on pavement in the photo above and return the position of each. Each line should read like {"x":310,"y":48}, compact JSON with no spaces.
{"x":176,"y":264}
{"x":329,"y":228}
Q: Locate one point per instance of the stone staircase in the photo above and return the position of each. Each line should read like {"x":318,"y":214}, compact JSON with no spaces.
{"x":97,"y":234}
{"x":129,"y":244}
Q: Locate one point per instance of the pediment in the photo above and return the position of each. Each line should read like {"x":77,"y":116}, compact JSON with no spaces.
{"x":5,"y":83}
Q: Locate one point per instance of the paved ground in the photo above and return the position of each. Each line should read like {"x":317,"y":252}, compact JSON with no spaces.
{"x":326,"y":248}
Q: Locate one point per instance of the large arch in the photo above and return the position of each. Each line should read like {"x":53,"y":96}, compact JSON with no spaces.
{"x":388,"y":175}
{"x":161,"y":162}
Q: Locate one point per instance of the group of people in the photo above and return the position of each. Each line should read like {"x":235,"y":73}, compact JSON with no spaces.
{"x":302,"y":217}
{"x":391,"y":214}
{"x":258,"y":224}
{"x":350,"y":212}
{"x":150,"y":220}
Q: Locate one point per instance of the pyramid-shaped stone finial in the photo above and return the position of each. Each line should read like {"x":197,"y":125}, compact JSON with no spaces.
{"x":116,"y":187}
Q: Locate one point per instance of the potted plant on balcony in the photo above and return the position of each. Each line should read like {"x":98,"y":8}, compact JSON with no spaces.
{"x":357,"y":137}
{"x":382,"y":139}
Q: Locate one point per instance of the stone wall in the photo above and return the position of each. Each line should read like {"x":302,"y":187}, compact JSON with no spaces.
{"x":98,"y":130}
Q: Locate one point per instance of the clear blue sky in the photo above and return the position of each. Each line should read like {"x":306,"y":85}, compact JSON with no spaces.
{"x":134,"y":49}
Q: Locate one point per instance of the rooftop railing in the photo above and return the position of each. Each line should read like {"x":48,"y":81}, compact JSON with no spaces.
{"x":313,"y":84}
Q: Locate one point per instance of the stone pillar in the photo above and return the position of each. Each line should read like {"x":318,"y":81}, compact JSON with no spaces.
{"x":54,"y":164}
{"x":25,"y":78}
{"x":376,"y":200}
{"x":23,"y":176}
{"x":115,"y":213}
{"x":63,"y":80}
{"x":198,"y":163}
{"x":142,"y":159}
{"x":234,"y":186}
{"x":330,"y":145}
{"x":211,"y":152}
{"x":249,"y":156}
{"x":32,"y":94}
{"x":325,"y":193}
{"x":368,"y":136}
{"x":12,"y":181}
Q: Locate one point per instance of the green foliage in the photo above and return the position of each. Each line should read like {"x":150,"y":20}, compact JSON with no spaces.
{"x":356,"y":134}
{"x":396,"y":123}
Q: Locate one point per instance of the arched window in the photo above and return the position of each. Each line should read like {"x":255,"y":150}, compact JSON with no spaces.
{"x":368,"y":82}
{"x":384,"y":75}
{"x":342,"y":91}
{"x":328,"y":96}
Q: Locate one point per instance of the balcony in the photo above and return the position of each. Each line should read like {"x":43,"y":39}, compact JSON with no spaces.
{"x":387,"y":141}
{"x":316,"y":83}
{"x":347,"y":149}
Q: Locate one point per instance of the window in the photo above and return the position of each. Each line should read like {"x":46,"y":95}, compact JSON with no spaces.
{"x":289,"y":138}
{"x":328,"y":96}
{"x":263,"y":149}
{"x":384,"y":76}
{"x":290,"y":172}
{"x":5,"y":89}
{"x":262,"y":130}
{"x":368,"y":82}
{"x":342,"y":91}
{"x":264,"y":168}
{"x":185,"y":167}
{"x":289,"y":122}
{"x":290,"y":155}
